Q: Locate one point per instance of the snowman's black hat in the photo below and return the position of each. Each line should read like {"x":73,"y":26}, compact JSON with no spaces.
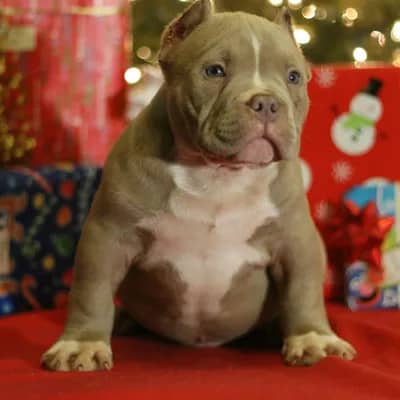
{"x":374,"y":86}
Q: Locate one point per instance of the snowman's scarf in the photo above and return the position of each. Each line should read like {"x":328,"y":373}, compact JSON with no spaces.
{"x":357,"y":122}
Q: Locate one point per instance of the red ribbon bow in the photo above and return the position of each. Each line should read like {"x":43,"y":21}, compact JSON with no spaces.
{"x":352,"y":233}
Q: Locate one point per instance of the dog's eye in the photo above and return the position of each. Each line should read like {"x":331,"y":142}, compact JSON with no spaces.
{"x":215,"y":71}
{"x":294,"y":77}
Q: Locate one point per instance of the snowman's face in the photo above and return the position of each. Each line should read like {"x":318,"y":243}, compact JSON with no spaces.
{"x":367,"y":106}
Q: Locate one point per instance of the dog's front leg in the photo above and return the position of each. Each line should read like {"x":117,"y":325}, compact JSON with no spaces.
{"x":308,"y":336}
{"x":102,"y":261}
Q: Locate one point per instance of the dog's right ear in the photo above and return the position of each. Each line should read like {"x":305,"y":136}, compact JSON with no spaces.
{"x":183,"y":25}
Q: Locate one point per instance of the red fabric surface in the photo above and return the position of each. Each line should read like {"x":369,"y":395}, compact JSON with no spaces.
{"x":147,"y":368}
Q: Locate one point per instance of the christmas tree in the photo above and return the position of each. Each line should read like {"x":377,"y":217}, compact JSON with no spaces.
{"x":330,"y":31}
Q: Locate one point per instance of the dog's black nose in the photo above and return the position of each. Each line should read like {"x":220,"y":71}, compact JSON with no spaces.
{"x":266,"y":106}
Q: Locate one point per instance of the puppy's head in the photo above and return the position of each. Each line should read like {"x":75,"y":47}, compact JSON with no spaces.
{"x":236,"y":86}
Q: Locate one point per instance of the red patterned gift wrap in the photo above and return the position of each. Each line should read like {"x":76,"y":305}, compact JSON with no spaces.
{"x":351,"y":137}
{"x":351,"y":134}
{"x":69,"y":58}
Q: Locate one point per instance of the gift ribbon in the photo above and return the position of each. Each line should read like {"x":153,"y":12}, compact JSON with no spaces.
{"x":356,"y":234}
{"x":94,"y":11}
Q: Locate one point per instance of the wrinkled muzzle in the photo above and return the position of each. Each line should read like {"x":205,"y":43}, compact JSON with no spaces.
{"x":255,"y":130}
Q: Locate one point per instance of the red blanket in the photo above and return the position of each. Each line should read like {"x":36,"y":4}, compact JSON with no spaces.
{"x":147,"y":368}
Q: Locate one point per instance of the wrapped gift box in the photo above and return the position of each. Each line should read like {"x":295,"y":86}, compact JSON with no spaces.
{"x":46,"y":209}
{"x":362,"y":295}
{"x":66,"y":60}
{"x":363,"y":290}
{"x":350,"y":136}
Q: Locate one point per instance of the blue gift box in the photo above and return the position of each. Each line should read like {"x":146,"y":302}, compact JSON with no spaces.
{"x":46,"y":210}
{"x":386,"y":196}
{"x":362,"y":294}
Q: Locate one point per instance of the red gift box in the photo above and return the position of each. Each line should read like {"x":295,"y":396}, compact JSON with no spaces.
{"x":350,"y":136}
{"x":351,"y":133}
{"x":70,"y":56}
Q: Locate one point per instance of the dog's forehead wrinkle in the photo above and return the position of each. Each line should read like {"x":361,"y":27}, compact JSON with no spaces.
{"x":236,"y":26}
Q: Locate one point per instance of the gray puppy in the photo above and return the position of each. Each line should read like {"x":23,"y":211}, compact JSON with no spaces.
{"x":201,"y":224}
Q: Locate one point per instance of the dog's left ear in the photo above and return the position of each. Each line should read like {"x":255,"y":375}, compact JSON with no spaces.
{"x":284,"y":19}
{"x":183,"y":25}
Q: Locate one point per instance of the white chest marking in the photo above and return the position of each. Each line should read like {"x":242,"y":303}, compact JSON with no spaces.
{"x":257,"y":51}
{"x":213,"y":213}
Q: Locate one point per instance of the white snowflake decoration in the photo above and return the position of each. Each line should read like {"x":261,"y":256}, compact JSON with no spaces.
{"x":326,"y":77}
{"x":322,"y":211}
{"x":342,"y":171}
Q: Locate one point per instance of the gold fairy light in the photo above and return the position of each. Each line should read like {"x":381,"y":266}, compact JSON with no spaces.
{"x":276,"y":3}
{"x":396,"y":58}
{"x":395,"y":33}
{"x":360,"y":55}
{"x":309,"y":12}
{"x":349,"y":16}
{"x":295,"y":3}
{"x":133,"y":75}
{"x":321,"y":13}
{"x":302,"y":36}
{"x":144,"y":52}
{"x":380,"y":37}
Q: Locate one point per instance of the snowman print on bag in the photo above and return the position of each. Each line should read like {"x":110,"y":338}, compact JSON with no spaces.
{"x":354,"y":133}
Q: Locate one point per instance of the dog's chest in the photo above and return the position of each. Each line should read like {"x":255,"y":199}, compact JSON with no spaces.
{"x":205,"y":233}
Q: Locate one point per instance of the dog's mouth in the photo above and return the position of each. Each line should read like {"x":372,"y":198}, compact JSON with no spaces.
{"x":256,"y":153}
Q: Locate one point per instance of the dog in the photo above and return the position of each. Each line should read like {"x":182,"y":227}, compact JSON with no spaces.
{"x":201,"y":224}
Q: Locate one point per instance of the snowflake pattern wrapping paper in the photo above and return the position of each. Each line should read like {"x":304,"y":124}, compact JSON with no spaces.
{"x":46,"y":209}
{"x":350,"y":136}
{"x":72,"y":83}
{"x":351,"y":133}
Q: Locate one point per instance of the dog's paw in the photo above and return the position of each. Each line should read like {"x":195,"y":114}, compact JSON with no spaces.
{"x":308,"y":349}
{"x":73,"y":355}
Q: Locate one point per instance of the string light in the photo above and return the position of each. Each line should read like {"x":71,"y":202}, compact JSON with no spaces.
{"x":351,"y":14}
{"x":310,"y":11}
{"x":295,"y":3}
{"x":396,"y":58}
{"x":321,"y":13}
{"x":360,"y":54}
{"x":301,"y":36}
{"x":133,"y":75}
{"x":349,"y":17}
{"x":380,"y":37}
{"x":144,"y":52}
{"x":276,"y":3}
{"x":395,"y":34}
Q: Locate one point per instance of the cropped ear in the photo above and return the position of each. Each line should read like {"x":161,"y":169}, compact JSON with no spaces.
{"x":184,"y":24}
{"x":284,"y":19}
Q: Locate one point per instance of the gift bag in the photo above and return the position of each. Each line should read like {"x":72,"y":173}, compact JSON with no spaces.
{"x":62,"y":63}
